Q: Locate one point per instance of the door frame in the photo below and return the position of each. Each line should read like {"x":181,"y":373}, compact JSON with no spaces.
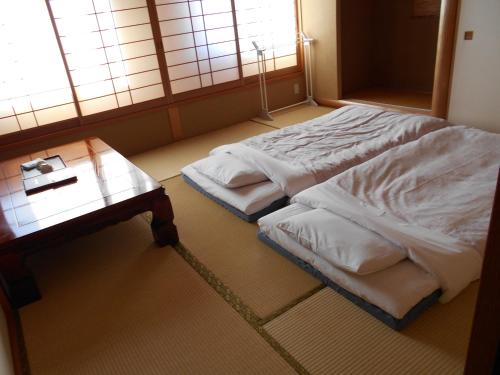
{"x":484,"y":345}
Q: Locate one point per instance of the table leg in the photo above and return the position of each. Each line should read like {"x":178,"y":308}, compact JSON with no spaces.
{"x":162,"y":225}
{"x":18,"y":280}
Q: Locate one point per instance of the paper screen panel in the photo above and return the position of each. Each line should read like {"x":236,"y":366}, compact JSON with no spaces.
{"x":273,"y":25}
{"x":110,"y":52}
{"x":199,"y":42}
{"x":34,"y":87}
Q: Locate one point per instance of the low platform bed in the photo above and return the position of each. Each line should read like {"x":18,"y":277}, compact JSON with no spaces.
{"x":384,"y":294}
{"x":401,"y":230}
{"x":393,"y":322}
{"x":257,"y":175}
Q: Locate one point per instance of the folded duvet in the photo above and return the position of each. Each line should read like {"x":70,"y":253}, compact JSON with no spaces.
{"x":303,"y":155}
{"x":431,"y":197}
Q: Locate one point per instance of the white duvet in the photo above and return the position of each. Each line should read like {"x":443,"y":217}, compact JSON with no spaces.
{"x":300,"y":156}
{"x":431,"y":197}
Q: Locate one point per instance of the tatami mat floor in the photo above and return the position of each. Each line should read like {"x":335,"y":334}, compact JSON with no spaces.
{"x":219,"y":302}
{"x":293,"y":115}
{"x":263,"y":279}
{"x":114,"y":303}
{"x":167,"y":161}
{"x":328,"y":334}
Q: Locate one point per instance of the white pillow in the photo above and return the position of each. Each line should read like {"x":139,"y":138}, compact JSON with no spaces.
{"x":342,"y":242}
{"x":228,"y":171}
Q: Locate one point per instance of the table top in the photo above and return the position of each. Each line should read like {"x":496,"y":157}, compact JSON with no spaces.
{"x":105,"y":178}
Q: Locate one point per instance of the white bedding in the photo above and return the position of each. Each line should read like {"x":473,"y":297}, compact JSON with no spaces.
{"x":432,"y":197}
{"x":395,"y":289}
{"x":248,"y":199}
{"x":300,"y":156}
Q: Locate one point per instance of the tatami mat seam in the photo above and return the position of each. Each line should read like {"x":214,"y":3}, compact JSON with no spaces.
{"x":260,"y":321}
{"x":238,"y":305}
{"x":290,"y":305}
{"x":263,"y":123}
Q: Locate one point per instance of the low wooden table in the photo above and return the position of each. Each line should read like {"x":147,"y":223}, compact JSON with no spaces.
{"x":109,"y":189}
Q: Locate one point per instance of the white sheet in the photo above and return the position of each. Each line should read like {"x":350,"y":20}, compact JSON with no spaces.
{"x":303,"y":155}
{"x":395,"y":289}
{"x":332,"y":143}
{"x":432,"y":197}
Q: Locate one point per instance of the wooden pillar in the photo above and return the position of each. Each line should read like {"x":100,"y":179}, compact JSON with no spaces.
{"x":444,"y":58}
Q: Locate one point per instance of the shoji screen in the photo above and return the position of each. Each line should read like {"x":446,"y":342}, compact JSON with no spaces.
{"x":271,"y":23}
{"x":34,"y":88}
{"x":110,"y":52}
{"x":199,"y":42}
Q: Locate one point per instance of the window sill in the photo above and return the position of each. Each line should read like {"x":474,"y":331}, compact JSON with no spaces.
{"x":73,"y":126}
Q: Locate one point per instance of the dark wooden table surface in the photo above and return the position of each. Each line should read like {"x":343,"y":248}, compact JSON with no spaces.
{"x":109,"y":189}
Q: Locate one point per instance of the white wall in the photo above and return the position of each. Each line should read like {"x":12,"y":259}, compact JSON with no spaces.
{"x":319,"y":21}
{"x":475,"y":92}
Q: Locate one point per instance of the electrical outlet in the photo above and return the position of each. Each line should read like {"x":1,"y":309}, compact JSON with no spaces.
{"x":469,"y":35}
{"x":296,"y":89}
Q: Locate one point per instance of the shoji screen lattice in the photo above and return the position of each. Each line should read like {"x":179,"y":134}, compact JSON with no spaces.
{"x":271,"y":23}
{"x":110,"y":52}
{"x":34,"y":87}
{"x":199,"y":43}
{"x":110,"y":56}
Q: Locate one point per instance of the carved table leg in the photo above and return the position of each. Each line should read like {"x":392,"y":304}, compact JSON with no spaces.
{"x":19,"y":281}
{"x":164,"y":230}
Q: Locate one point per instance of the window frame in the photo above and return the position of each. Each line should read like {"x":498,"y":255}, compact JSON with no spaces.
{"x":81,"y":122}
{"x":214,"y":89}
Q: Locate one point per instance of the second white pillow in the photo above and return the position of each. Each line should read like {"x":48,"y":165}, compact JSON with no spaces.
{"x":325,"y":234}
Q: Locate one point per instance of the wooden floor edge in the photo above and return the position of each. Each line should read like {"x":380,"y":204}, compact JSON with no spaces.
{"x":338,"y":103}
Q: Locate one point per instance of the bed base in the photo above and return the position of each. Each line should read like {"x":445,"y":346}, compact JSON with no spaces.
{"x":377,"y":312}
{"x":276,"y":205}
